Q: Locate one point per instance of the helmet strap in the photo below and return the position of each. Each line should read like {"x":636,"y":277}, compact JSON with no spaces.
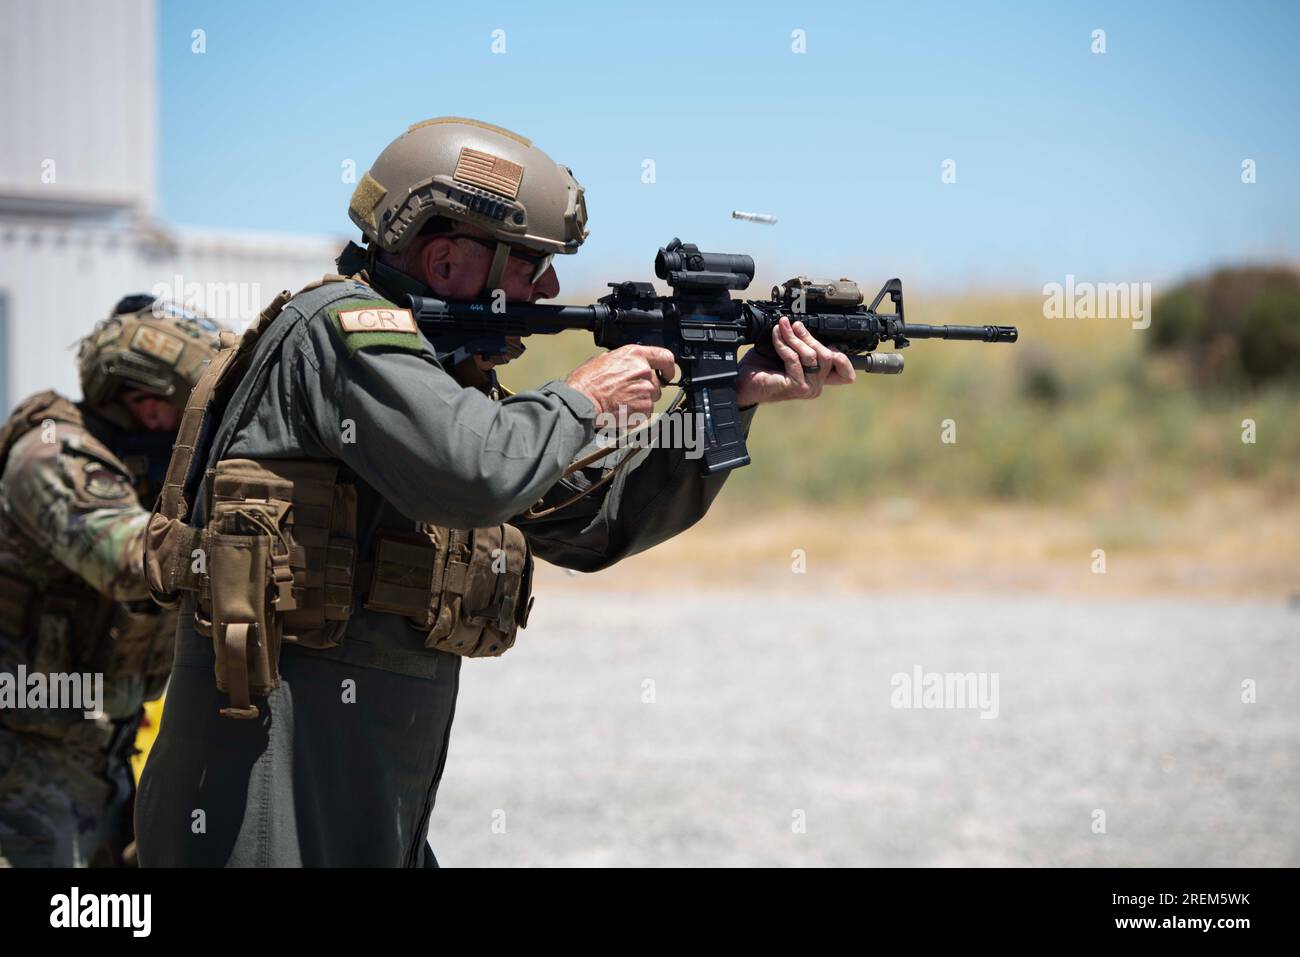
{"x":498,"y":270}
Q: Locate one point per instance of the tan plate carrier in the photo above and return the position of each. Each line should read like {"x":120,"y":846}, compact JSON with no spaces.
{"x":278,"y":559}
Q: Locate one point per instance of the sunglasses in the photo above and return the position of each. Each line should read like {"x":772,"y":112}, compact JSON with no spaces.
{"x":540,"y":262}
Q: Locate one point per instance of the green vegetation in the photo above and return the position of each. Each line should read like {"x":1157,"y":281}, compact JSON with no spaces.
{"x":1077,"y":406}
{"x":1234,"y":327}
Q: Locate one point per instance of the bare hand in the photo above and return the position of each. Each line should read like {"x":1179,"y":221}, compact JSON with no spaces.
{"x":624,"y":377}
{"x":762,"y":380}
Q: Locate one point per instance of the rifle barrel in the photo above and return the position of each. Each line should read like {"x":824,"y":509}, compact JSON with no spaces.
{"x":968,"y":333}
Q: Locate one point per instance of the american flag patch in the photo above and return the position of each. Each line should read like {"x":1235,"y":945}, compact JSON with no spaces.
{"x":490,"y":172}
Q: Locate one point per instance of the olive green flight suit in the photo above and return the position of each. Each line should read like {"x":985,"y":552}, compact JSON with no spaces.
{"x":327,"y":776}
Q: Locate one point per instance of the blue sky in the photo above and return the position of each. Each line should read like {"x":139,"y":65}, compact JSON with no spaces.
{"x":1117,"y":166}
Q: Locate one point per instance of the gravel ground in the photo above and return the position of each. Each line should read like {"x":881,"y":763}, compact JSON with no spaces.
{"x":769,"y":709}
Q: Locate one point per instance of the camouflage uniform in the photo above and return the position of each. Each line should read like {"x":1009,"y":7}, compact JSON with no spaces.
{"x":69,"y":513}
{"x":76,"y":486}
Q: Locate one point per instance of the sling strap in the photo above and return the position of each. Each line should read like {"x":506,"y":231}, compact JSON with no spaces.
{"x":172,"y":543}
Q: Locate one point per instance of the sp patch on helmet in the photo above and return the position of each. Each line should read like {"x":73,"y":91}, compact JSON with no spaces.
{"x":154,"y":342}
{"x":149,"y":344}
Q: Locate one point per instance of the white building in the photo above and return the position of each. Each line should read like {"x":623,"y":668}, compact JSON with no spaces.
{"x":78,"y":146}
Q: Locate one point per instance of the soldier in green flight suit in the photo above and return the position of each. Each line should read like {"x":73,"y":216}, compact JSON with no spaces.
{"x":359,"y":514}
{"x":77,"y":481}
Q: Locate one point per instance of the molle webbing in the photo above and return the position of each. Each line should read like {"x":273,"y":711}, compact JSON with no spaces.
{"x":469,"y":590}
{"x":170,"y":543}
{"x":309,"y":517}
{"x":277,"y":558}
{"x":279,"y":551}
{"x":233,"y":356}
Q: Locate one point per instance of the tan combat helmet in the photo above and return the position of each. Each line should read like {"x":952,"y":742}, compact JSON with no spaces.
{"x":475,"y":173}
{"x":148,"y":344}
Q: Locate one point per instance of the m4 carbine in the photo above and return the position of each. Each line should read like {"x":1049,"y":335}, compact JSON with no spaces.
{"x":703,"y":327}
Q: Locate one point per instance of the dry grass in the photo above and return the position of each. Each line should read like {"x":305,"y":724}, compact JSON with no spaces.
{"x":1072,"y":440}
{"x":1230,"y":542}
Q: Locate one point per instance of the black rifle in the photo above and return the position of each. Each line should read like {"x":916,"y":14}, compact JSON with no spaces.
{"x":703,"y":327}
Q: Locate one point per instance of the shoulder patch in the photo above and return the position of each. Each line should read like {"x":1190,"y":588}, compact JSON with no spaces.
{"x":377,"y":320}
{"x":95,"y":481}
{"x":95,"y":473}
{"x":366,"y":323}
